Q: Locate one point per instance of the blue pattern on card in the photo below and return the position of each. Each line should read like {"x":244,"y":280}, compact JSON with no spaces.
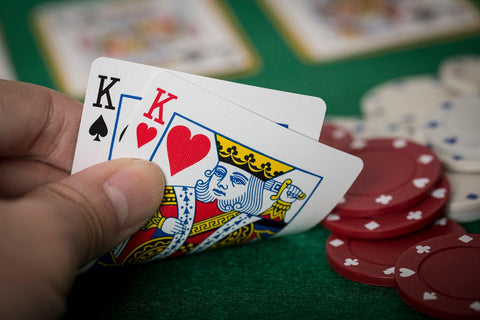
{"x":122,"y":96}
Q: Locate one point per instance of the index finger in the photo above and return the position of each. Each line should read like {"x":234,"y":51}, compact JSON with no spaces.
{"x":38,"y":123}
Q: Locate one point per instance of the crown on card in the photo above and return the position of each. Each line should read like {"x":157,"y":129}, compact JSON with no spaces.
{"x":255,"y":163}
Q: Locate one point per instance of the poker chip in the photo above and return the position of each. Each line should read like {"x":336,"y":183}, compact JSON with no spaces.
{"x":465,"y":192}
{"x":335,"y":136}
{"x":465,"y":216}
{"x":453,"y":127}
{"x":440,"y":276}
{"x":369,"y":128}
{"x":457,"y":163}
{"x":397,"y":174}
{"x":373,"y":261}
{"x":405,"y":100}
{"x":395,"y":224}
{"x":461,"y":74}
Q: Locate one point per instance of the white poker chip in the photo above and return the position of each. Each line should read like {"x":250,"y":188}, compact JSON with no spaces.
{"x":453,"y":127}
{"x":370,"y":128}
{"x":461,"y":74}
{"x":464,"y":193}
{"x":465,"y":216}
{"x":405,"y":100}
{"x":457,"y":163}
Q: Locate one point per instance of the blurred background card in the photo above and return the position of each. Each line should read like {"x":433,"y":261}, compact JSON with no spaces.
{"x":327,"y":29}
{"x":195,"y":36}
{"x":6,"y":66}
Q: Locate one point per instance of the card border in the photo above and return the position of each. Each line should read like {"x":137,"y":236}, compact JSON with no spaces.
{"x":300,"y":50}
{"x":223,"y":11}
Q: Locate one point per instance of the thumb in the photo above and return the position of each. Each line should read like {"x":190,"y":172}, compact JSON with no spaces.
{"x":102,"y":205}
{"x":54,"y":230}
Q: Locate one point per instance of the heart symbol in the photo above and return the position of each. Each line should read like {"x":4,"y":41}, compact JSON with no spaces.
{"x":420,"y":182}
{"x":405,"y":272}
{"x":390,"y":270}
{"x":145,"y":134}
{"x":429,"y":296}
{"x":184,"y":151}
{"x":439,"y":193}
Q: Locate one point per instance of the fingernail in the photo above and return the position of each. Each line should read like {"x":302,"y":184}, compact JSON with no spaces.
{"x":136,"y":191}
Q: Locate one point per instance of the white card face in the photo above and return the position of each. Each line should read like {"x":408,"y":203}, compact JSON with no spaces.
{"x":300,"y":113}
{"x":228,"y":172}
{"x":114,"y":89}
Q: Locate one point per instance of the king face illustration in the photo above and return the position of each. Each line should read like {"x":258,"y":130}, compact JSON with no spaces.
{"x":243,"y":198}
{"x":232,"y":188}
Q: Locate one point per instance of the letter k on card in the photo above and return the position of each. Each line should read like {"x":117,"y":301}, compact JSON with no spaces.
{"x":152,"y":117}
{"x":145,"y":132}
{"x":166,"y":95}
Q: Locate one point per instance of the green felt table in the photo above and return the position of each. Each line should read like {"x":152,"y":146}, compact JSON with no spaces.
{"x":283,"y":278}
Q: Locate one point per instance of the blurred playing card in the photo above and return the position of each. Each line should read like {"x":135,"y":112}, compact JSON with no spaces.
{"x":325,"y":29}
{"x":195,"y":36}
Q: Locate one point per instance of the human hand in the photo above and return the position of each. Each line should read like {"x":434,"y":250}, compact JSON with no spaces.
{"x":52,"y":223}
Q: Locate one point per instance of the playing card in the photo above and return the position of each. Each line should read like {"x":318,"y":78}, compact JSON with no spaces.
{"x":114,"y":89}
{"x":232,"y":177}
{"x":323,"y":30}
{"x":102,"y":128}
{"x":300,"y":113}
{"x":146,"y":136}
{"x":197,"y":36}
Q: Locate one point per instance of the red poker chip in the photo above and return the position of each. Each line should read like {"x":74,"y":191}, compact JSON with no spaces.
{"x":395,"y":224}
{"x":441,"y":277}
{"x":397,"y":174}
{"x":335,"y":136}
{"x":372,"y":261}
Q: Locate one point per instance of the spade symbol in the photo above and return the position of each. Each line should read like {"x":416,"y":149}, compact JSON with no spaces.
{"x":98,"y":129}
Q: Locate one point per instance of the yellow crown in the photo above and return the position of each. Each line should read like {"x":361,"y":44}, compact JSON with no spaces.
{"x":257,"y":164}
